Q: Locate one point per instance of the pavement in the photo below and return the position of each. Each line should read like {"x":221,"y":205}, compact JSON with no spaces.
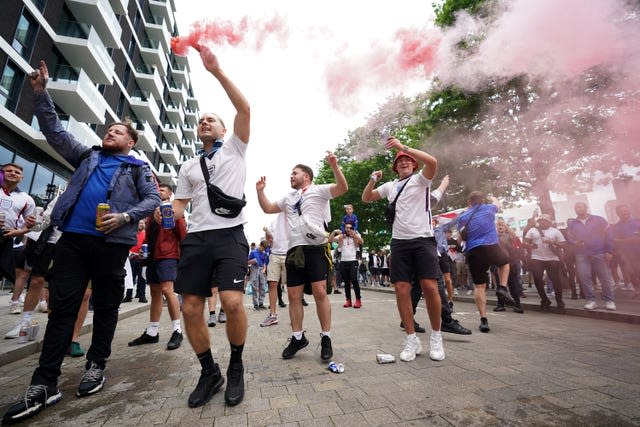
{"x":536,"y":368}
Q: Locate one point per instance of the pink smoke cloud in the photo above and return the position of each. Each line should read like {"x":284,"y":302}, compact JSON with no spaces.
{"x":411,"y":55}
{"x":248,"y":32}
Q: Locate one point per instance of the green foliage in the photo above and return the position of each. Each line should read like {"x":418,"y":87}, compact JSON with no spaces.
{"x":375,"y":232}
{"x":445,"y":12}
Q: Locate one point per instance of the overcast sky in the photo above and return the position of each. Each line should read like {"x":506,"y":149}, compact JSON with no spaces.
{"x":282,"y":70}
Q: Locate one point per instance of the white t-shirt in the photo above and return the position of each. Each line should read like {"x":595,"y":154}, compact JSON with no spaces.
{"x":15,"y":205}
{"x":228,"y":171}
{"x":280,"y":238}
{"x":314,"y":205}
{"x":44,"y":218}
{"x":543,"y":252}
{"x":413,"y":208}
{"x":348,"y":249}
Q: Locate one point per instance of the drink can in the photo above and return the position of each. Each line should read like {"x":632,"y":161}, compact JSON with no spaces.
{"x":385,"y":358}
{"x":338,"y":368}
{"x":23,"y":335}
{"x":32,"y":332}
{"x":144,"y":251}
{"x":101,"y":209}
{"x":2,"y":218}
{"x":166,"y":209}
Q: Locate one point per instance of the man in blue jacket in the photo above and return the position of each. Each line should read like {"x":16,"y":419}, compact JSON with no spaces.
{"x":87,"y":252}
{"x":588,"y":235}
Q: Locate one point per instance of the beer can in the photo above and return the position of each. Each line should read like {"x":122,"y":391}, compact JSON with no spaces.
{"x":385,"y":358}
{"x":32,"y":332}
{"x":338,"y":368}
{"x":23,"y":335}
{"x":2,"y":218}
{"x":101,"y":209}
{"x":144,"y":251}
{"x":166,"y":209}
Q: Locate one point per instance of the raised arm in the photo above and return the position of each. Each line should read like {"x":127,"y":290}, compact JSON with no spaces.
{"x":369,"y":194}
{"x":340,"y":186}
{"x":243,"y":115}
{"x":430,"y":162}
{"x":266,"y":205}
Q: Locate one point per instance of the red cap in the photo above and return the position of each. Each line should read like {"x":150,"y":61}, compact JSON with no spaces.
{"x":400,"y":154}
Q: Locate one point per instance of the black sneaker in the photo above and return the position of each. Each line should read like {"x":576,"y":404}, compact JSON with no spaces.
{"x":518,"y":309}
{"x":304,"y":303}
{"x":92,"y":380}
{"x":175,"y":341}
{"x":145,"y":339}
{"x":208,"y":384}
{"x":419,"y":329}
{"x":499,"y":308}
{"x":454,"y":327}
{"x":235,"y":384}
{"x":35,"y":399}
{"x":282,"y":304}
{"x":503,"y":295}
{"x":294,"y":346}
{"x":484,"y":325}
{"x":326,"y":352}
{"x":337,"y":292}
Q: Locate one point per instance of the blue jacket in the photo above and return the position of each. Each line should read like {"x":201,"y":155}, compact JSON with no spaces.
{"x":133,"y":192}
{"x":593,"y":235}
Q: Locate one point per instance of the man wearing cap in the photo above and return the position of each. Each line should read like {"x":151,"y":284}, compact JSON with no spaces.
{"x":483,"y":250}
{"x":545,"y":242}
{"x":413,"y":244}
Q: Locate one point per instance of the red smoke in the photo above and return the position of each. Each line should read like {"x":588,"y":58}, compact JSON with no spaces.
{"x":246,"y":31}
{"x":412,"y":55}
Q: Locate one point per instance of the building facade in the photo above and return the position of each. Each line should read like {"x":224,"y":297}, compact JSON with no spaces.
{"x":108,"y":60}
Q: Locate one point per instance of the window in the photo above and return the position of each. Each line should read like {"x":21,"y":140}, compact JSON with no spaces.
{"x":23,"y":41}
{"x":41,"y":178}
{"x":40,"y":4}
{"x":60,"y":182}
{"x":27,"y":173}
{"x":6,"y":155}
{"x":10,"y":84}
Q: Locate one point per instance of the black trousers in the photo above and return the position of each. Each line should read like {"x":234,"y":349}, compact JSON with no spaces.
{"x":79,"y":259}
{"x":416,"y":294}
{"x":349,"y":274}
{"x":538,"y":268}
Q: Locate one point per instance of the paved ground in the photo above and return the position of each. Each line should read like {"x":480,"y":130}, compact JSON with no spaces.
{"x":531,"y":369}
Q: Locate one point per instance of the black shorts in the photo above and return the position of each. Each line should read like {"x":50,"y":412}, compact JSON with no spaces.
{"x":481,"y":258}
{"x":445,"y":263}
{"x":212,"y":258}
{"x":41,"y":264}
{"x":415,"y":258}
{"x":315,"y":266}
{"x":162,"y":270}
{"x":19,"y":258}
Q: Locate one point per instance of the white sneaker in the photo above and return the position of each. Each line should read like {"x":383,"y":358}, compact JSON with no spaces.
{"x":411,"y":347}
{"x":591,"y":305}
{"x":455,"y":292}
{"x":21,"y":299}
{"x":469,"y":292}
{"x":437,"y":350}
{"x":610,"y":305}
{"x":42,"y":306}
{"x":15,"y":332}
{"x":15,"y":308}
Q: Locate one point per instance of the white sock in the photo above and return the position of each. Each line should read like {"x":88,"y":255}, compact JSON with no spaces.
{"x":413,"y":335}
{"x":153,"y":328}
{"x":26,"y":317}
{"x":435,"y":333}
{"x":328,"y":333}
{"x":176,"y":325}
{"x":298,"y":335}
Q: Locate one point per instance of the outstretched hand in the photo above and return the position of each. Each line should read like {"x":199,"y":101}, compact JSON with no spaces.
{"x":392,"y":142}
{"x":209,"y":59}
{"x":331,"y":159}
{"x":39,"y":77}
{"x":261,"y":184}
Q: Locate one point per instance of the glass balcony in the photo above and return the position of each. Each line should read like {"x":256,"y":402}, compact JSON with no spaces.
{"x":77,"y":95}
{"x":163,"y":8}
{"x":149,"y":80}
{"x":188,"y":148}
{"x":153,"y":54}
{"x":175,"y":113}
{"x":145,"y":106}
{"x":167,"y":174}
{"x":98,"y":13}
{"x":120,"y":6}
{"x":178,"y":93}
{"x":81,"y":46}
{"x":170,"y":153}
{"x":172,"y":133}
{"x":146,"y":138}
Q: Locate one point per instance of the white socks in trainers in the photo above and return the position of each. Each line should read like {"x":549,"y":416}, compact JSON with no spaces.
{"x":176,"y":325}
{"x":298,"y":335}
{"x":153,"y":328}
